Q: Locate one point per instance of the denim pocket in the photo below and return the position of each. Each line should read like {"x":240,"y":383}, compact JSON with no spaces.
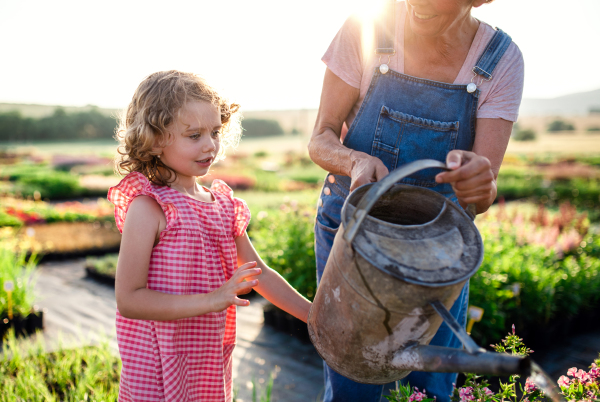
{"x":401,"y":138}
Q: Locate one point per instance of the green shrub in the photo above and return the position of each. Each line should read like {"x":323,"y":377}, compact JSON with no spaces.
{"x":518,"y":183}
{"x":560,"y":125}
{"x":285,"y":241}
{"x":554,"y":285}
{"x":524,"y":135}
{"x":261,"y":154}
{"x":593,"y":129}
{"x":105,"y":265}
{"x":49,"y":183}
{"x":9,"y":220}
{"x":261,"y":127}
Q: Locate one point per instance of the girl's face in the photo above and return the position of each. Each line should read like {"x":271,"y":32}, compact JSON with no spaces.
{"x":194,"y":141}
{"x":432,"y":18}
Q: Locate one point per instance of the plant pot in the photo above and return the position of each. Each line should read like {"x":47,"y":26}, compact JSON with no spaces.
{"x":285,"y":323}
{"x":100,"y":277}
{"x":23,"y":326}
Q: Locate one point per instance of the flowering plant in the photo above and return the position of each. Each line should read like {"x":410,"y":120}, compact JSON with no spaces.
{"x":406,"y":393}
{"x":581,"y":385}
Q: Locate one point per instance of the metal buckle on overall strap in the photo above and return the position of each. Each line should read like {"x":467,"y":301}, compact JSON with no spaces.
{"x":385,"y":31}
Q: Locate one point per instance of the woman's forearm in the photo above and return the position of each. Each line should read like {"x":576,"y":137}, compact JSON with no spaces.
{"x":146,"y":304}
{"x":325,"y":147}
{"x":326,"y":150}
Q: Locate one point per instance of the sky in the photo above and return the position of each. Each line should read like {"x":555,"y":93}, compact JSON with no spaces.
{"x":264,"y":54}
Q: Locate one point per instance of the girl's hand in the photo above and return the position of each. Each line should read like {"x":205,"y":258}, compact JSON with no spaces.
{"x":227,"y":294}
{"x":471,"y":177}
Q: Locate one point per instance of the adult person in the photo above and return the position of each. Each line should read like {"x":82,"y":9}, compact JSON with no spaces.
{"x":410,"y":99}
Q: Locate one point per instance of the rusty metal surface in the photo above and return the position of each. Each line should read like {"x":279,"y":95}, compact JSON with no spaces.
{"x":417,"y":235}
{"x":406,"y":248}
{"x":446,"y":360}
{"x":379,"y":315}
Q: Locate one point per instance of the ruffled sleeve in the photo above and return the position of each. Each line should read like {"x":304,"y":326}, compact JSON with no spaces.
{"x":241,"y":212}
{"x":133,"y":185}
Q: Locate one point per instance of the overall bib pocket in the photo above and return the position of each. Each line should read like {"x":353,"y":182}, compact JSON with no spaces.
{"x":402,"y":138}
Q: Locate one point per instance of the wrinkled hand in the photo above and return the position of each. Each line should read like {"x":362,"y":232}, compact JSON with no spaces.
{"x":227,"y":294}
{"x":471,"y":177}
{"x":366,"y":169}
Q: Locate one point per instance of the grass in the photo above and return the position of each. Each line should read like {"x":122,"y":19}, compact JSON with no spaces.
{"x":29,"y":373}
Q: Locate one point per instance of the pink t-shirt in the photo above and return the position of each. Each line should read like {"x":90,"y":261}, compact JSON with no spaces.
{"x":351,"y":57}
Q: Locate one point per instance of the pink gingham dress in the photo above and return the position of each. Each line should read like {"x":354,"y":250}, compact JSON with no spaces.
{"x":187,"y":359}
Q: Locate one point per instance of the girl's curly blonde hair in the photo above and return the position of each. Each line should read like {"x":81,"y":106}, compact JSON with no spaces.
{"x":155,"y":105}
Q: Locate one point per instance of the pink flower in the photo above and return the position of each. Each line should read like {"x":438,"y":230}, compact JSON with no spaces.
{"x":529,"y":386}
{"x":563,"y":381}
{"x":417,"y":396}
{"x":572,"y":371}
{"x":488,"y":391}
{"x":583,"y":376}
{"x":466,"y":394}
{"x":594,"y":371}
{"x":513,"y":328}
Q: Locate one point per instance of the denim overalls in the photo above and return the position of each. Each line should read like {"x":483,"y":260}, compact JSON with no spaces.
{"x":403,"y":119}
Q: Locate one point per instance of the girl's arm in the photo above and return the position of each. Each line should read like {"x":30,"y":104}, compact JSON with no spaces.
{"x":145,"y":220}
{"x":271,"y":285}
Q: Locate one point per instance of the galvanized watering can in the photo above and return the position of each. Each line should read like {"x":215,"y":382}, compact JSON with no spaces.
{"x":399,"y":261}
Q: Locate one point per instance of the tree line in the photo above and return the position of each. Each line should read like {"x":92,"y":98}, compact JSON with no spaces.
{"x":60,"y":125}
{"x":91,"y":125}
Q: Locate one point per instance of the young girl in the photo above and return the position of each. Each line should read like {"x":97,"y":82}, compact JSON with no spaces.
{"x":178,"y":277}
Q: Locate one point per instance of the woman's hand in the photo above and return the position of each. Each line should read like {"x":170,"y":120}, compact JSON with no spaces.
{"x":366,"y":169}
{"x":471,"y":177}
{"x":227,"y":294}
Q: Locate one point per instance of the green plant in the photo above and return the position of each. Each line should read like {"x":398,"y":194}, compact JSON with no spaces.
{"x":406,"y":393}
{"x":9,"y":220}
{"x":18,"y":269}
{"x":105,"y":265}
{"x":285,"y":241}
{"x":524,"y":135}
{"x":261,"y":154}
{"x":49,"y":183}
{"x":556,"y":269}
{"x":28,"y":373}
{"x":266,"y":396}
{"x":593,"y":129}
{"x":476,"y":387}
{"x":580,"y":385}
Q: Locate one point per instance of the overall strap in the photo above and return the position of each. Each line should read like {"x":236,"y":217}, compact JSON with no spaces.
{"x":492,"y":54}
{"x":385,"y":29}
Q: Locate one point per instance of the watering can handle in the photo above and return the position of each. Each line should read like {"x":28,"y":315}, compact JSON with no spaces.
{"x":366,"y":203}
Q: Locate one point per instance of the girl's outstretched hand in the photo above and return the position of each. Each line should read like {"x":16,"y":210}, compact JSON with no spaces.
{"x":227,"y":294}
{"x":471,"y":177}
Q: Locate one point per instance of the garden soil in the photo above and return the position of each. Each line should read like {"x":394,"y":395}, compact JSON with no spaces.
{"x":79,"y":310}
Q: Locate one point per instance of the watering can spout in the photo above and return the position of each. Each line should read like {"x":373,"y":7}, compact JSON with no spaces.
{"x":448,"y":360}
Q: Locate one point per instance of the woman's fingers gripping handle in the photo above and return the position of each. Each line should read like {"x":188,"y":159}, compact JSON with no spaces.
{"x":470,"y":174}
{"x":366,"y":169}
